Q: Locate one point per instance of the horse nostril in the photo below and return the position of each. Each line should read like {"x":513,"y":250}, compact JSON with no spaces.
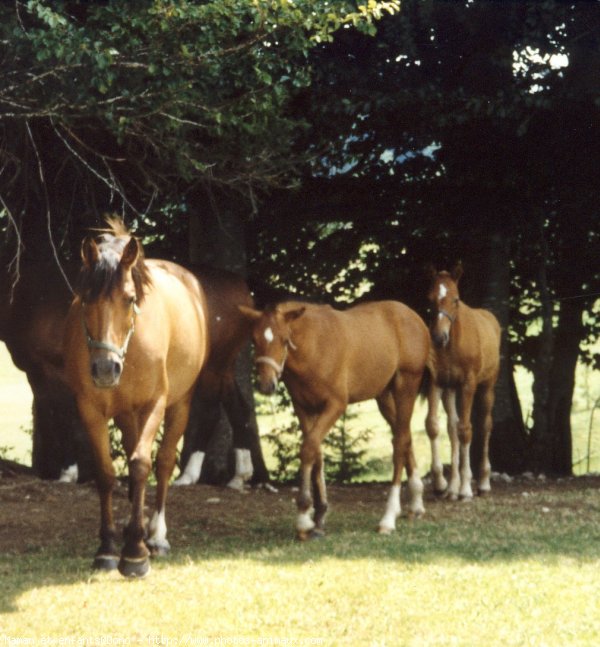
{"x":117,"y":368}
{"x":268,"y":388}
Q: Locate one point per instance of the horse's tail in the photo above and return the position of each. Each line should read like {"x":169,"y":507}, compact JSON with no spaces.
{"x":425,"y":383}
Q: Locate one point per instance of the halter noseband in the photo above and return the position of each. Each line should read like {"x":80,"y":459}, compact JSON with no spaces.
{"x":269,"y":361}
{"x":94,"y":344}
{"x":448,"y":315}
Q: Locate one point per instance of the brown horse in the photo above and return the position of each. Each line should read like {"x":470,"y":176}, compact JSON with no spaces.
{"x":464,"y":365}
{"x":329,"y":358}
{"x":32,"y":321}
{"x":135,"y":342}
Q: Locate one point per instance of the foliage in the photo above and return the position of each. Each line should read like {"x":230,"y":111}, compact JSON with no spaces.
{"x":345,"y":450}
{"x":139,"y":98}
{"x":285,"y":443}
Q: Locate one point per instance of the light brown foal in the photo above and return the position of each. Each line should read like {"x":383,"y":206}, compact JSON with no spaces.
{"x":464,"y":364}
{"x":329,"y":358}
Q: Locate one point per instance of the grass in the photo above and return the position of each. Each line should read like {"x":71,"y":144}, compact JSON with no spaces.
{"x":507,"y":570}
{"x":15,"y":404}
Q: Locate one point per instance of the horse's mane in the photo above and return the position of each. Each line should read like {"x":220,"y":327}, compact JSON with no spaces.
{"x":105,"y":275}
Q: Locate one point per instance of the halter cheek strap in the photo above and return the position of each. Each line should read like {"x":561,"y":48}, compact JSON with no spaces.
{"x":94,"y":344}
{"x":448,"y":315}
{"x":269,"y":361}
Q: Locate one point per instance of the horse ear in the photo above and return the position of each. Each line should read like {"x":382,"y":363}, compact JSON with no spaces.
{"x":431,"y":271}
{"x":250,"y":313}
{"x":130,"y":254}
{"x":457,"y":272}
{"x":292,"y":315}
{"x":89,"y":252}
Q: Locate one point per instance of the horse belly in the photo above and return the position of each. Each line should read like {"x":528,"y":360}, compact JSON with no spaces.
{"x":370,"y":377}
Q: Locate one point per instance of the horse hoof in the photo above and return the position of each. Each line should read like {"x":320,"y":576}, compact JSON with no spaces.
{"x":385,"y":530}
{"x":484,"y":493}
{"x":316,"y":533}
{"x":132,"y":567}
{"x":105,"y":563}
{"x":440,"y":494}
{"x":416,"y":514}
{"x":158,"y":550}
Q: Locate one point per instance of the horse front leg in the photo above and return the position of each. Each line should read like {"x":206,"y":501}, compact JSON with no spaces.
{"x":449,"y":400}
{"x":433,"y":432}
{"x":320,"y":495}
{"x":176,"y":418}
{"x":487,"y":404}
{"x":314,"y":429}
{"x":107,"y":555}
{"x":465,"y":435}
{"x":135,"y":560}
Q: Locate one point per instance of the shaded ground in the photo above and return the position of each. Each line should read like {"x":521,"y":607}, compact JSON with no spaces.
{"x":36,"y":515}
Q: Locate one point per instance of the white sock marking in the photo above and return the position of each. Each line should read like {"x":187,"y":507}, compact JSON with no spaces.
{"x":191,"y":473}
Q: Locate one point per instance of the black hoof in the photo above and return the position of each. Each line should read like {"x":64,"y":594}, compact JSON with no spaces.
{"x":134,"y":567}
{"x":105,"y":562}
{"x":316,"y":533}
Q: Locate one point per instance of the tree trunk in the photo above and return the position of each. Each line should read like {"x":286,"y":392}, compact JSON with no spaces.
{"x":541,"y":435}
{"x":554,"y":451}
{"x":509,"y":439}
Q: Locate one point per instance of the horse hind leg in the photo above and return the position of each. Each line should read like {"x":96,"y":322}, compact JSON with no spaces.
{"x":485,"y":423}
{"x":397,"y":409}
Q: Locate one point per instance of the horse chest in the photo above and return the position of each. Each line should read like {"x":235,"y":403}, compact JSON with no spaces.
{"x":449,"y":372}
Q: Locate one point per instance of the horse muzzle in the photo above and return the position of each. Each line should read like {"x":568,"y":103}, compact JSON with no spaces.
{"x":267,"y":385}
{"x":440,"y":339}
{"x":106,"y":372}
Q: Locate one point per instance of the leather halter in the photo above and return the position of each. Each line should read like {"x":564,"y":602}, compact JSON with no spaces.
{"x":448,"y":315}
{"x":94,"y":344}
{"x":269,"y":361}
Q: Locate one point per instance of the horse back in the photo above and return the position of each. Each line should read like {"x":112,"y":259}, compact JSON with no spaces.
{"x":359,"y":350}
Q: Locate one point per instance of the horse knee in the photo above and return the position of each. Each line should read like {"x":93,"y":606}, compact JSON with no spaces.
{"x":139,"y":468}
{"x":465,"y":433}
{"x":432,"y":427}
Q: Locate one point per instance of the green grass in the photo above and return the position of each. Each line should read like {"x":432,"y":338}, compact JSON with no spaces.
{"x":15,"y":404}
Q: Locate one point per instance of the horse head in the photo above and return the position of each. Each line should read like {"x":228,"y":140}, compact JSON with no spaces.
{"x":272,"y":341}
{"x":111,"y":288}
{"x":444,"y":302}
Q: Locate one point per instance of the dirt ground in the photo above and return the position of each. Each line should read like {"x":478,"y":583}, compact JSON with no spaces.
{"x":37,"y":515}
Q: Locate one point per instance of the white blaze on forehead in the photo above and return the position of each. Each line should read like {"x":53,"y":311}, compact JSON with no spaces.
{"x":443,"y":291}
{"x":269,"y":335}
